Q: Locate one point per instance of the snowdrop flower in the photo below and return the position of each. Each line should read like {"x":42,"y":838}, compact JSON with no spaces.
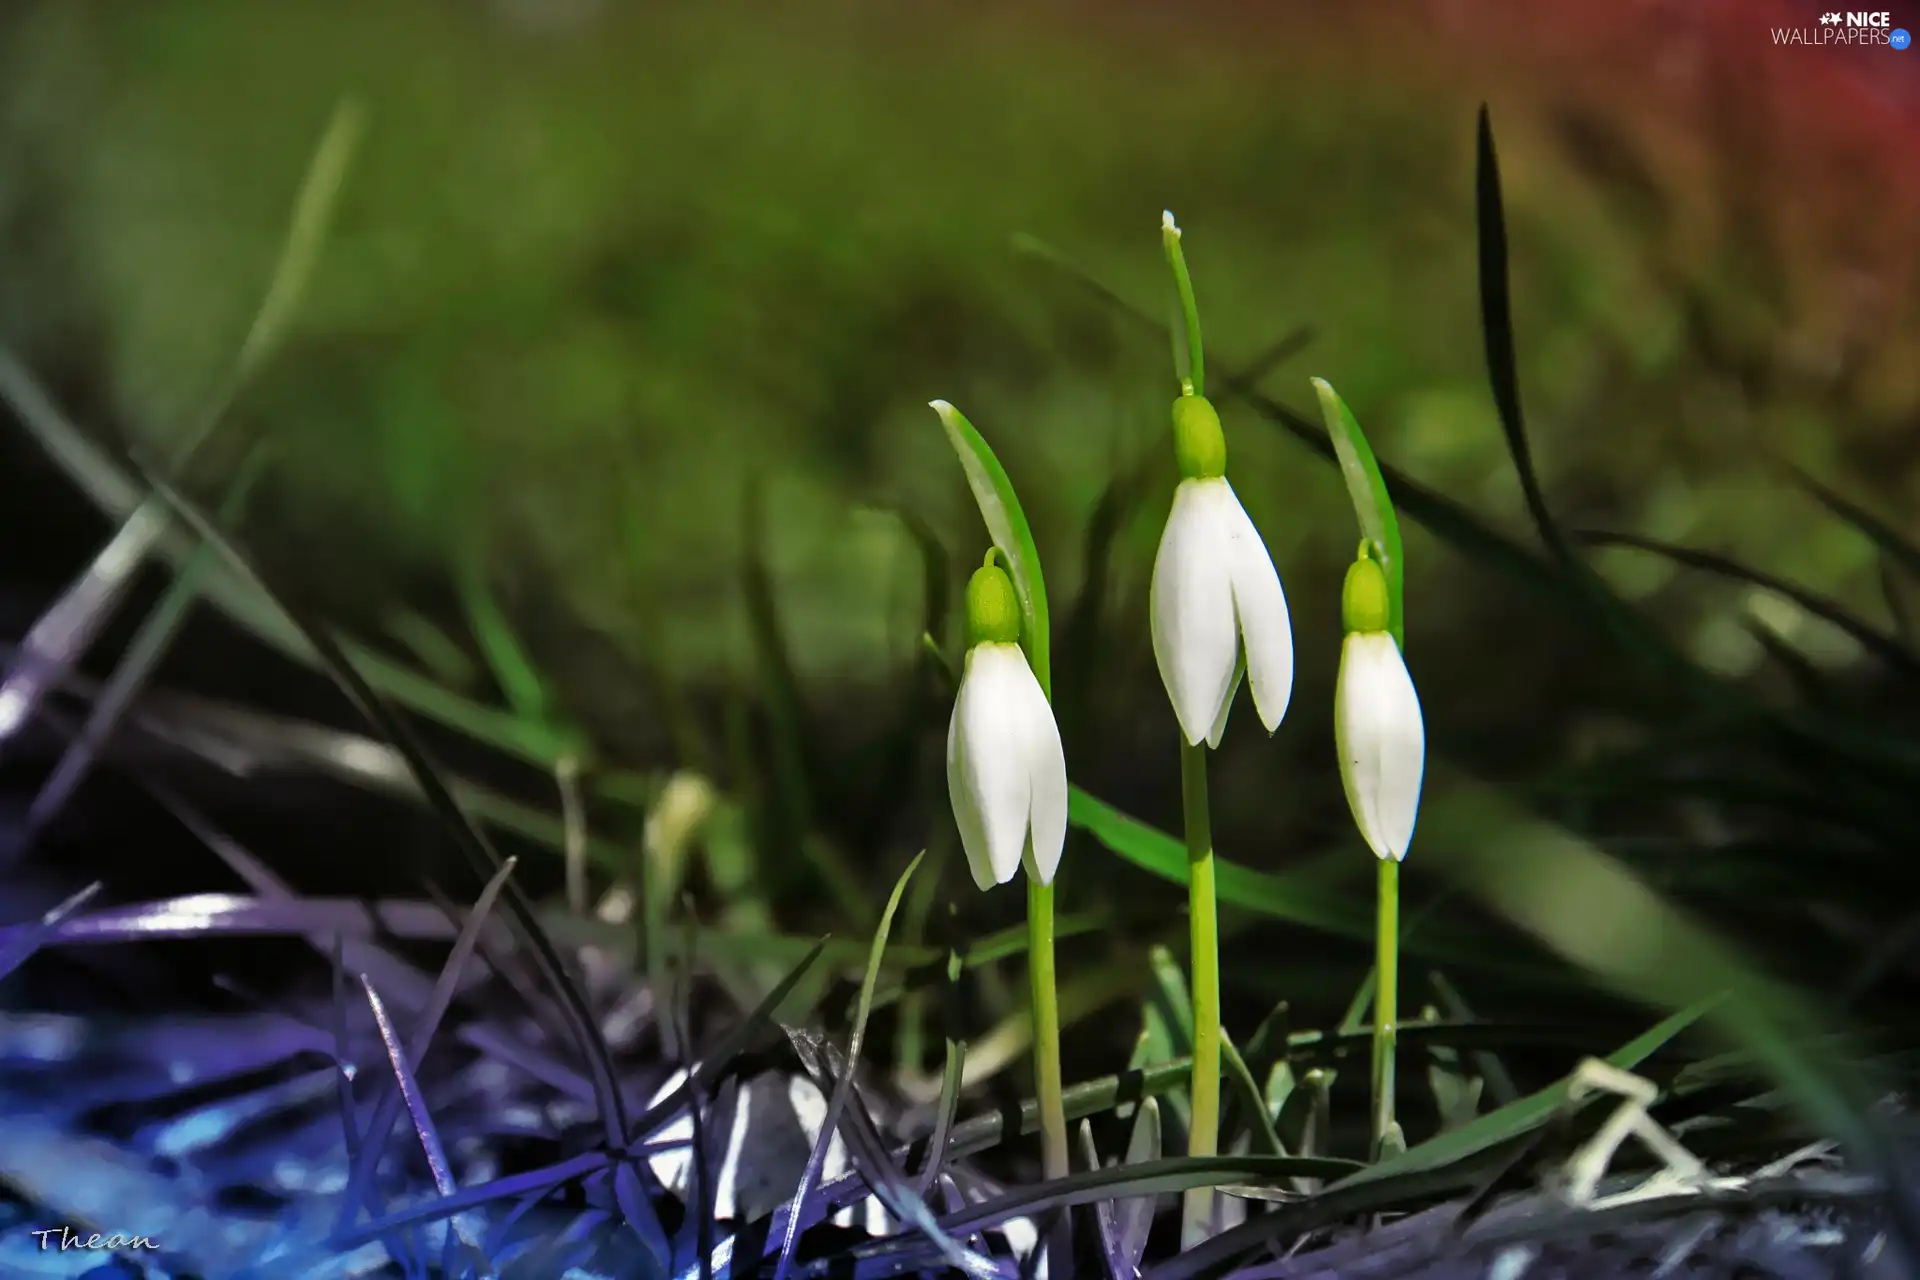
{"x":1218,"y":610}
{"x":1376,"y":719}
{"x":1006,"y":772}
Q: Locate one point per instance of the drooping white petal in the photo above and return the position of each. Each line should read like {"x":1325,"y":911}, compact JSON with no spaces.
{"x":1266,"y":630}
{"x":973,"y":835}
{"x":1047,"y":760}
{"x":1194,"y":633}
{"x":1226,"y":703}
{"x":989,"y":769}
{"x":1382,"y":741}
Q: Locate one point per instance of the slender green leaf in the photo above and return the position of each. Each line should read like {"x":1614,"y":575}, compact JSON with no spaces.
{"x":433,"y":649}
{"x":1007,"y":525}
{"x":513,"y":670}
{"x":1282,"y":897}
{"x":1371,"y":502}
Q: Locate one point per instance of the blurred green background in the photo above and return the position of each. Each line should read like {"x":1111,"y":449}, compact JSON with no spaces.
{"x":601,"y":274}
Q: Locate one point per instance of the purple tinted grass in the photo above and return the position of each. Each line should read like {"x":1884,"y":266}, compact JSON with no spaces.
{"x":403,"y":983}
{"x":901,"y":1254}
{"x":635,"y":1202}
{"x":983,"y":1132}
{"x":867,"y":1149}
{"x":539,"y":1181}
{"x":657,"y":1116}
{"x":63,"y":634}
{"x":18,"y":944}
{"x":416,"y":1103}
{"x":387,"y":1104}
{"x":838,"y":1095}
{"x":481,"y":856}
{"x":130,"y":675}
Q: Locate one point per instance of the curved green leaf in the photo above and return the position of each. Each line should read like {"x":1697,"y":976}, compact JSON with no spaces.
{"x":1154,"y":850}
{"x":1007,"y":526}
{"x":1371,"y":503}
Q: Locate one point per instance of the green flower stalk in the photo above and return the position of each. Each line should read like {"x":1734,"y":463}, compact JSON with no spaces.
{"x":1219,"y":616}
{"x":1381,"y":739}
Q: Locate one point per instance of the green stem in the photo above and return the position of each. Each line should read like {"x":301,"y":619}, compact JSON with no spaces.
{"x":1386,"y":999}
{"x":1203,"y":1134}
{"x":1189,"y":356}
{"x":1046,"y":1029}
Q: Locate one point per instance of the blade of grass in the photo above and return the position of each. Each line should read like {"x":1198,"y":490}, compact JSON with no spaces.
{"x":1576,"y":899}
{"x":715,"y":1064}
{"x":481,"y":856}
{"x":513,"y":671}
{"x":387,"y":1103}
{"x":1443,"y":1164}
{"x":1895,"y":545}
{"x":60,"y":639}
{"x":1499,"y":1081}
{"x":1886,"y":648}
{"x":416,"y":1104}
{"x":838,"y":1102}
{"x":950,"y":1076}
{"x":1133,"y":1215}
{"x":116,"y":491}
{"x":1153,"y":1178}
{"x":143,"y":654}
{"x":21,"y":947}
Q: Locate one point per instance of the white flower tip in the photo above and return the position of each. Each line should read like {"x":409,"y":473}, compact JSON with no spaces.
{"x":941,"y":407}
{"x":1167,"y":223}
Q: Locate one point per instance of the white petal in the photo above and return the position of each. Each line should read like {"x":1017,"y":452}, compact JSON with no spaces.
{"x":1192,"y":606}
{"x":994,"y":718}
{"x":1047,"y":762}
{"x":1266,"y":631}
{"x":973,"y":836}
{"x":1226,"y":703}
{"x":1382,"y":741}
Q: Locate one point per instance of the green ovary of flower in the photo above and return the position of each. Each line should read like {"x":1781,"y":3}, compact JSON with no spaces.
{"x":993,"y":608}
{"x":1199,"y":445}
{"x":1364,"y":606}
